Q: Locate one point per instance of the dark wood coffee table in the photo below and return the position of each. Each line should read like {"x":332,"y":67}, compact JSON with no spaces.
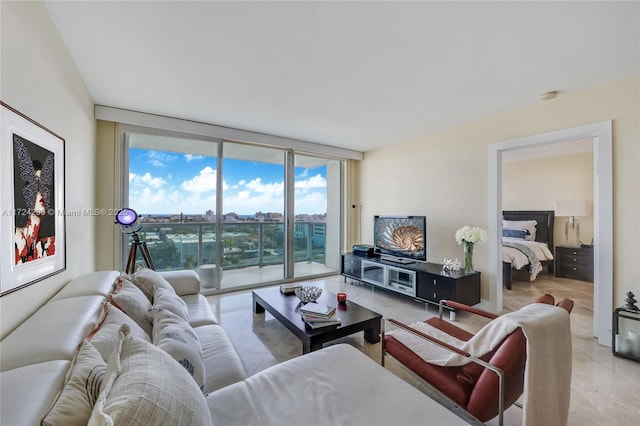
{"x":285,"y":308}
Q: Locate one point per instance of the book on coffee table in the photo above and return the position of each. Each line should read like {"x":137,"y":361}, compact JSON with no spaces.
{"x":326,"y":322}
{"x":319,"y":318}
{"x":317,"y":309}
{"x":317,"y":315}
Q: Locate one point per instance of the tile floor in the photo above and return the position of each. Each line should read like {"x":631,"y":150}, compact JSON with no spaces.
{"x":605,"y":388}
{"x":244,"y":278}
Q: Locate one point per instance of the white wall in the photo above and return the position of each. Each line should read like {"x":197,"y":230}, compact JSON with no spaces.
{"x":445,"y":175}
{"x":38,"y":78}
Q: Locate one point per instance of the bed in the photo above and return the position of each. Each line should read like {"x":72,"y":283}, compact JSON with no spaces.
{"x":526,"y":245}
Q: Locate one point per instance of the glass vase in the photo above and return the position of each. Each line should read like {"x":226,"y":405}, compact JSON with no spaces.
{"x":468,"y":257}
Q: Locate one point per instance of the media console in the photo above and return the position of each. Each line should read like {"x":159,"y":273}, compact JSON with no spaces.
{"x":423,"y":281}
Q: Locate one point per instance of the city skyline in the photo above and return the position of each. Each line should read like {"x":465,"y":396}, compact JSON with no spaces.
{"x":209,"y":216}
{"x":167,"y":183}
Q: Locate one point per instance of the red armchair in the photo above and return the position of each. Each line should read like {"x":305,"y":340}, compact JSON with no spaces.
{"x":486,"y":386}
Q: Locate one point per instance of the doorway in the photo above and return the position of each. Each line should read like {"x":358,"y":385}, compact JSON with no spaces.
{"x":601,"y":136}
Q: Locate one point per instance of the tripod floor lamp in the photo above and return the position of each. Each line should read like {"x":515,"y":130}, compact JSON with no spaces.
{"x":128,"y":221}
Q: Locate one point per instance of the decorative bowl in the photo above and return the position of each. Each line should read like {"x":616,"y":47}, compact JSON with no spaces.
{"x":308,"y":294}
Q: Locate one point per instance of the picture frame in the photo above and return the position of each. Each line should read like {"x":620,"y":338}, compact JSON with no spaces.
{"x":32,"y":201}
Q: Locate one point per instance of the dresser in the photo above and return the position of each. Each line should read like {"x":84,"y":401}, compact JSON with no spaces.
{"x":574,"y":262}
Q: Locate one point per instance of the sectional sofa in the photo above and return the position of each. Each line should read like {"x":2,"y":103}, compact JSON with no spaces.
{"x":130,"y":374}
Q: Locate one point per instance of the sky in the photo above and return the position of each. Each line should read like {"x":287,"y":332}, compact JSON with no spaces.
{"x":171,"y":183}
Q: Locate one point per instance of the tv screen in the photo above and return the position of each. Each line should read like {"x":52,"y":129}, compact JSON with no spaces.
{"x":400,"y":237}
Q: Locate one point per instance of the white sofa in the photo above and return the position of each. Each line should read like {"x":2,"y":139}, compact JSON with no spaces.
{"x":335,"y":385}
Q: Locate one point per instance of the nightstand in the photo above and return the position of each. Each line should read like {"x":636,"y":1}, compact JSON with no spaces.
{"x":574,"y":262}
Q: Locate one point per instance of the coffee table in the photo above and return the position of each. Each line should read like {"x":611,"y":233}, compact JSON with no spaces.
{"x":285,"y":308}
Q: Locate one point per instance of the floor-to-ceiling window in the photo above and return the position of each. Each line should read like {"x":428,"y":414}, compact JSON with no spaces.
{"x":253,"y":202}
{"x":317,"y":213}
{"x":240,"y":214}
{"x":172,"y":186}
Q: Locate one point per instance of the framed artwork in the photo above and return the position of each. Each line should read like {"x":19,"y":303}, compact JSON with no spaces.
{"x":32,"y":210}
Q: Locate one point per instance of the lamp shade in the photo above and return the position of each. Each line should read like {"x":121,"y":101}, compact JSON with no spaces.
{"x":128,"y":221}
{"x":571,"y":208}
{"x":126,"y":216}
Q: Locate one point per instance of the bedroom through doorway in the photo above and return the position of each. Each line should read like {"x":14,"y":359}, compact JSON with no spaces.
{"x":534,"y":179}
{"x":600,"y":135}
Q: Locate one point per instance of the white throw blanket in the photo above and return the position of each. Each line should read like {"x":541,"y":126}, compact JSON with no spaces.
{"x":547,"y":380}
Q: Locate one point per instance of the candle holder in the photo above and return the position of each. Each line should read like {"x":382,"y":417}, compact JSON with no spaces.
{"x":626,"y":330}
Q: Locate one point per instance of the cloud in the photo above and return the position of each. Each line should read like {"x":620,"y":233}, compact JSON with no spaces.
{"x":192,"y":157}
{"x":159,"y":159}
{"x":146,"y":180}
{"x":194,"y":191}
{"x":248,"y":202}
{"x":317,"y":181}
{"x":275,"y":188}
{"x":147,"y":201}
{"x":204,"y":182}
{"x":310,"y":203}
{"x":256,"y":195}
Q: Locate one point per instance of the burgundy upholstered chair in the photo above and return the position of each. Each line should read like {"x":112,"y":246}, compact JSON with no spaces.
{"x":475,"y":386}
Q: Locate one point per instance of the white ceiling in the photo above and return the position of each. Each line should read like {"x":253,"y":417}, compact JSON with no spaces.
{"x":355,"y":75}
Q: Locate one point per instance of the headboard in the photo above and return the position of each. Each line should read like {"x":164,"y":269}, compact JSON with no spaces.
{"x":544,"y":228}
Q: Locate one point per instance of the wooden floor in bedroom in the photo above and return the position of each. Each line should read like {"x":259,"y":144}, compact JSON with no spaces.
{"x":604,"y":388}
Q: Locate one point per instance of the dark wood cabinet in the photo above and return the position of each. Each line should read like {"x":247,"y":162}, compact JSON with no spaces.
{"x":574,"y":262}
{"x":420,"y":280}
{"x":460,"y":287}
{"x":351,"y":266}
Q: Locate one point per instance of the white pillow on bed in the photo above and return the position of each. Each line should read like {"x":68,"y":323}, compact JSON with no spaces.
{"x":527,"y":225}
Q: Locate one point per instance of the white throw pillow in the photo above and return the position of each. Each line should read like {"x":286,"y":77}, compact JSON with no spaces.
{"x":132,"y":301}
{"x":80,"y":391}
{"x":147,"y":279}
{"x":105,"y":335}
{"x":165,"y":299}
{"x":176,"y":337}
{"x":144,"y":386}
{"x":528,"y":225}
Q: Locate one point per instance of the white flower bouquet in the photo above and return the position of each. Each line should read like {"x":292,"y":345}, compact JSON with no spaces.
{"x":468,"y":234}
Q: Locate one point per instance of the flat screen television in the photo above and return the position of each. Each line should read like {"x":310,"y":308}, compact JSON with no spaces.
{"x":400,"y":239}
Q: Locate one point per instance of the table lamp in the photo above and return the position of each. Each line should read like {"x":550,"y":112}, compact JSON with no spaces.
{"x":570,"y":209}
